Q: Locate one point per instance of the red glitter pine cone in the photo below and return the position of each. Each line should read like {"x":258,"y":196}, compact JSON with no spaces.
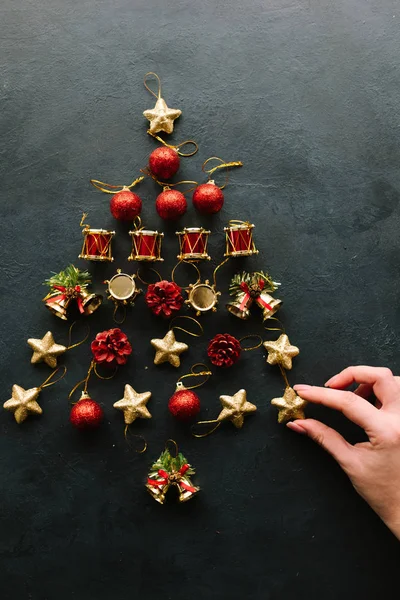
{"x":184,"y":405}
{"x":224,"y":350}
{"x":171,"y":204}
{"x":111,"y":348}
{"x":164,"y":298}
{"x":86,"y":414}
{"x":125,"y":205}
{"x":164,"y":162}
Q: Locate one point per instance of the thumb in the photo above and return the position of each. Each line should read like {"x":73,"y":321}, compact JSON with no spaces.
{"x":326,"y":437}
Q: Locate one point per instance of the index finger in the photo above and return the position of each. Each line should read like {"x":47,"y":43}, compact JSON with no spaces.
{"x":353,"y":407}
{"x":381,"y":380}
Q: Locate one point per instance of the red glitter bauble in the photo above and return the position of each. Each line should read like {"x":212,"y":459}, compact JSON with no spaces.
{"x":164,"y":162}
{"x":86,"y":414}
{"x":208,"y":198}
{"x":184,"y":405}
{"x":171,"y":204}
{"x":125,"y":205}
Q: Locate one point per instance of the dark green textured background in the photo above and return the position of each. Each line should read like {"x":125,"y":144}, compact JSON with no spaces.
{"x":306,"y":93}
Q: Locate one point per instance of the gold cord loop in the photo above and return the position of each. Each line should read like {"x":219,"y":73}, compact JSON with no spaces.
{"x":281,"y":328}
{"x":69,"y":347}
{"x":187,"y":263}
{"x":177,"y":327}
{"x":158,"y":95}
{"x":247,"y":337}
{"x":139,"y":437}
{"x":178,"y":146}
{"x":175,"y":445}
{"x":222,"y":165}
{"x":147,"y":282}
{"x":48,"y":382}
{"x":193,"y":373}
{"x":216,"y":269}
{"x":202,"y":435}
{"x":102,"y":376}
{"x":104,"y":187}
{"x":119,"y":307}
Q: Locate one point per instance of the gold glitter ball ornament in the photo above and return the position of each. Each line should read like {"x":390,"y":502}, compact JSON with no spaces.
{"x":235,"y":408}
{"x":168,"y":349}
{"x":161,"y":117}
{"x":23,"y":403}
{"x":133,"y":405}
{"x":46,"y":350}
{"x":281,"y":352}
{"x":290,"y":406}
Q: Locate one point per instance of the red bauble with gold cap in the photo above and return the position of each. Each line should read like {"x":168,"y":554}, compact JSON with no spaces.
{"x":86,"y":414}
{"x":164,"y":162}
{"x":184,"y":404}
{"x":125,"y":205}
{"x":171,"y":204}
{"x":208,"y":198}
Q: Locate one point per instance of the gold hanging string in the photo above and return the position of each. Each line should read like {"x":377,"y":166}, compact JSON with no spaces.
{"x":137,"y":223}
{"x":216,"y":269}
{"x":285,"y":379}
{"x":234,"y":222}
{"x":158,"y":95}
{"x":280,"y":328}
{"x":193,"y":373}
{"x":48,"y":382}
{"x":223,"y":165}
{"x":83,"y":381}
{"x":139,"y":437}
{"x":202,"y":435}
{"x":82,"y":223}
{"x":102,"y":376}
{"x":187,"y":263}
{"x":247,"y":337}
{"x":178,"y":146}
{"x":118,"y":306}
{"x":69,"y":347}
{"x":107,"y":188}
{"x":168,"y":185}
{"x":147,"y":282}
{"x":175,"y":445}
{"x":177,"y":327}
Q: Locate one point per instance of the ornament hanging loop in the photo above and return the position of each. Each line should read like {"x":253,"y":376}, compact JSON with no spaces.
{"x":215,"y":422}
{"x":147,"y":282}
{"x":177,"y":327}
{"x":158,"y":95}
{"x":122,"y":309}
{"x":283,"y":373}
{"x":251,"y":336}
{"x":176,"y":147}
{"x":187,"y":263}
{"x":168,"y":186}
{"x":69,"y":347}
{"x":222,"y":165}
{"x":138,"y":437}
{"x":102,"y":376}
{"x":280,"y":327}
{"x":83,"y":381}
{"x":107,"y":188}
{"x":216,"y":270}
{"x":175,"y":447}
{"x":48,"y":382}
{"x":193,"y":373}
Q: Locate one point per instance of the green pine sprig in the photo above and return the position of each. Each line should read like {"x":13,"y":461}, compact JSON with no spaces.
{"x":249,"y":278}
{"x":170,"y":463}
{"x":70,"y":277}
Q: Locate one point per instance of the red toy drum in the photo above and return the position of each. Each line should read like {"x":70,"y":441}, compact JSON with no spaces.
{"x":193,"y":244}
{"x":97,"y":244}
{"x":146,"y":245}
{"x":239,"y":239}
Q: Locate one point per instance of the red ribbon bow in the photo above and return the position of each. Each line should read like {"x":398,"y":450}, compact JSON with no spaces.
{"x":245,"y":288}
{"x":62,"y":288}
{"x":165,"y":479}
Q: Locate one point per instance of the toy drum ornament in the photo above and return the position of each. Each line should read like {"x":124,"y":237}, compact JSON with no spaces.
{"x":146,"y":244}
{"x":239,"y":239}
{"x":193,"y":244}
{"x":122,"y":288}
{"x":203,"y":297}
{"x":96,"y":244}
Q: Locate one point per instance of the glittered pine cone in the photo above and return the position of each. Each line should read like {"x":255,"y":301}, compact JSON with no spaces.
{"x":164,"y":298}
{"x":224,"y":350}
{"x":111,"y":348}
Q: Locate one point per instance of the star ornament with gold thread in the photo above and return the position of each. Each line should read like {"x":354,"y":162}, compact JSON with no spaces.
{"x":161,"y":117}
{"x":234,"y":408}
{"x":46,"y":350}
{"x":290,"y":406}
{"x":281,"y":352}
{"x":168,"y":349}
{"x":133,"y":405}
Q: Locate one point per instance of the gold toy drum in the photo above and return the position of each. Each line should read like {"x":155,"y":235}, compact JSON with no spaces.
{"x":239,"y":239}
{"x":193,"y":244}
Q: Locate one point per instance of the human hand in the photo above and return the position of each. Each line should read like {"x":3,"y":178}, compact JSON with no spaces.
{"x":374,"y":466}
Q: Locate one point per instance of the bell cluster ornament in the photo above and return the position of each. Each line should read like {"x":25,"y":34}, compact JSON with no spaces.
{"x":70,"y":285}
{"x":170,"y":471}
{"x":249,"y":288}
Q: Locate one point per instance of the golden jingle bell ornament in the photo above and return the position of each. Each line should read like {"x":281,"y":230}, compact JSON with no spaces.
{"x":169,"y":471}
{"x":234,"y":409}
{"x":249,"y":288}
{"x":96,"y":243}
{"x":46,"y":350}
{"x":168,"y":349}
{"x":208,"y":197}
{"x":66,"y":286}
{"x":24,"y":402}
{"x":161,"y":117}
{"x":124,"y":204}
{"x":123,"y":291}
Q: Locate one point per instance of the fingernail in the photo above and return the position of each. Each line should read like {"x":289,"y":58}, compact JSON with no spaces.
{"x":301,"y":386}
{"x":330,"y":381}
{"x":296,"y":427}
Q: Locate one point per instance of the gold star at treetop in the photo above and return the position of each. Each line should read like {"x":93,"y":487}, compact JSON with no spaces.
{"x":161,"y":117}
{"x":133,"y":405}
{"x":290,"y":406}
{"x":46,"y":350}
{"x":23,"y":403}
{"x":281,"y":352}
{"x":168,"y":349}
{"x":235,"y":408}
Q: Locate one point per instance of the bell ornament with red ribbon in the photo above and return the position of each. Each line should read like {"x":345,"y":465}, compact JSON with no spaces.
{"x":170,"y":471}
{"x":249,"y":288}
{"x":67,"y":286}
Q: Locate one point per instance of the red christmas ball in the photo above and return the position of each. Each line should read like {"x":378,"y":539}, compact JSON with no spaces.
{"x":184,"y":405}
{"x":208,"y":198}
{"x":125,"y":205}
{"x":164,"y":162}
{"x":86,"y":414}
{"x":171,"y":204}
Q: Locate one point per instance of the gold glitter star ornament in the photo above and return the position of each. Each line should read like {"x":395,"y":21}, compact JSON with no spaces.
{"x":290,"y":406}
{"x":168,"y":349}
{"x":161,"y":117}
{"x":23,"y":403}
{"x":133,"y":405}
{"x":46,"y":350}
{"x":281,"y":352}
{"x":235,"y":408}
